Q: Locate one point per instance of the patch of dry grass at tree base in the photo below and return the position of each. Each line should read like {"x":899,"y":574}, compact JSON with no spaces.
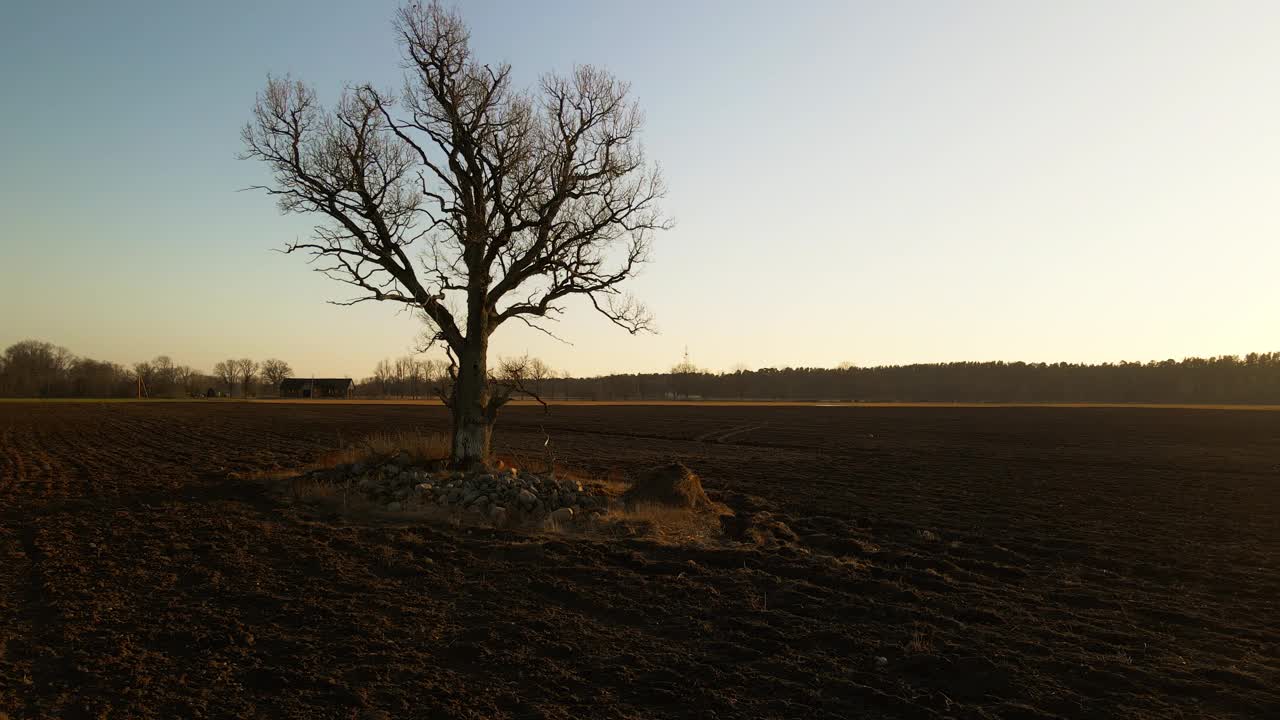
{"x":422,"y":448}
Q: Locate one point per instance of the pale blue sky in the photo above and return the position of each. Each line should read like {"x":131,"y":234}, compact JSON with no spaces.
{"x":872,"y":182}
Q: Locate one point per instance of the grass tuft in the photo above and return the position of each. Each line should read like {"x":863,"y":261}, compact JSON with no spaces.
{"x":662,"y":523}
{"x":422,"y":448}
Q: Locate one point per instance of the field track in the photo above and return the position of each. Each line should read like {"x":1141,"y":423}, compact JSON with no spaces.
{"x":947,"y":561}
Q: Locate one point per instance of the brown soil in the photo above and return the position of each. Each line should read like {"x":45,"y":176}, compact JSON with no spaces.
{"x":1003,"y":563}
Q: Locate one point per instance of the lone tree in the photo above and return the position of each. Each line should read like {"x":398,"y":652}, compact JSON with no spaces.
{"x":472,"y":202}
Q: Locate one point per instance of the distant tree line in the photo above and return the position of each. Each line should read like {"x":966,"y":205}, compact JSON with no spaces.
{"x":414,"y":378}
{"x":33,"y":368}
{"x":1254,"y":378}
{"x":403,"y":377}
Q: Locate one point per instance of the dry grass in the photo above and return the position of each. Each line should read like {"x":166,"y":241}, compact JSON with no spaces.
{"x":538,"y":463}
{"x":422,"y":448}
{"x":674,"y":526}
{"x":342,"y":496}
{"x":921,"y":643}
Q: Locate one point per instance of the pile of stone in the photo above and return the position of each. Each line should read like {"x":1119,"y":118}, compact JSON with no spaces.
{"x":500,"y":497}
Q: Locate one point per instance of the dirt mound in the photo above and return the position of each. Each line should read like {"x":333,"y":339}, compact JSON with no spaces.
{"x":672,"y":485}
{"x":761,"y":528}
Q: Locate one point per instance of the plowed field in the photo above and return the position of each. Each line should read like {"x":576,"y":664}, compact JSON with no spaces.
{"x":995,"y":562}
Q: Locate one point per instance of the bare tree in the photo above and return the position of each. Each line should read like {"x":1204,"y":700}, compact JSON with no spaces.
{"x":246,"y":372}
{"x":406,"y":375}
{"x":434,"y":375}
{"x":384,"y":374}
{"x":469,"y":201}
{"x":226,"y":371}
{"x":523,"y":376}
{"x":275,"y":371}
{"x":165,"y":375}
{"x":185,"y":377}
{"x":145,"y":373}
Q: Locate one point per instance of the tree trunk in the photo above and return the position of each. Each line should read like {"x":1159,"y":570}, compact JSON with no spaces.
{"x":472,"y":415}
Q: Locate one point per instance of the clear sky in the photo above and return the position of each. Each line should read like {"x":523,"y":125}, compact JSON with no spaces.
{"x":868,"y":182}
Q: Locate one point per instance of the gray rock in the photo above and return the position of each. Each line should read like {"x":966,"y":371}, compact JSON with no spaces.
{"x":498,"y":515}
{"x":393,"y":506}
{"x":527,"y":498}
{"x":563,"y":515}
{"x":357,"y":468}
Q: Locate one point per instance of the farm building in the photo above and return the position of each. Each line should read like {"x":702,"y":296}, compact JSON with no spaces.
{"x":316,"y":388}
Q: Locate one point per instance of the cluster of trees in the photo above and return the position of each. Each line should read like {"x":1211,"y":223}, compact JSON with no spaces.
{"x":250,"y":377}
{"x":33,"y":368}
{"x":404,"y":377}
{"x":411,"y":377}
{"x":1254,"y":378}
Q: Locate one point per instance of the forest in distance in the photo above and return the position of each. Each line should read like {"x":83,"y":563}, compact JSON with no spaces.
{"x":36,"y":369}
